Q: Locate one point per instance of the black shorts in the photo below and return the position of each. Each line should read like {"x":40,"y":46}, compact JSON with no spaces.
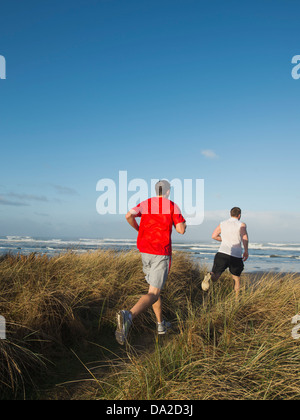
{"x":224,"y":261}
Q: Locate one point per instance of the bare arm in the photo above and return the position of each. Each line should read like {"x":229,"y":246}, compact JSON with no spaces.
{"x":181,"y":228}
{"x":217,"y":234}
{"x":130,"y":217}
{"x":245,"y":239}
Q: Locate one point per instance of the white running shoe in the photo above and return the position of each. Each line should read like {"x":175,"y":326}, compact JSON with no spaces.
{"x":163,"y":327}
{"x":206,"y":282}
{"x":124,"y":323}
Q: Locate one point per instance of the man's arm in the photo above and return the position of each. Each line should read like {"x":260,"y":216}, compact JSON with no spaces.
{"x":245,"y":239}
{"x":130,"y":217}
{"x":217,"y":234}
{"x":181,"y":228}
{"x":179,"y":221}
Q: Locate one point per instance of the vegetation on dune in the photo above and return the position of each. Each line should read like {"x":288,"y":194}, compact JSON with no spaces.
{"x":220,"y":347}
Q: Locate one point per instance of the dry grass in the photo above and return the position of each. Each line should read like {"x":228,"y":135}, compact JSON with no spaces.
{"x":221,"y":348}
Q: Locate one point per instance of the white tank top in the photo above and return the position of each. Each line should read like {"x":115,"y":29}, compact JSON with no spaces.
{"x":231,"y":238}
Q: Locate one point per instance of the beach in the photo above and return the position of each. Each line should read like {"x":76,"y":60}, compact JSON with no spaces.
{"x":264,"y":257}
{"x":60,"y":319}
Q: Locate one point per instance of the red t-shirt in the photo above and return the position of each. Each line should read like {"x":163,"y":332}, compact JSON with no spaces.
{"x":158,"y":216}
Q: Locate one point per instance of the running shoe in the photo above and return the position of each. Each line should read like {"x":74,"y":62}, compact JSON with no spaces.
{"x":206,"y":282}
{"x":163,"y":327}
{"x":124,"y":323}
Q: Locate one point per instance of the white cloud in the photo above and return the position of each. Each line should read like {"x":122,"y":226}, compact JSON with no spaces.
{"x":209,"y":154}
{"x":65,"y":190}
{"x":5,"y":202}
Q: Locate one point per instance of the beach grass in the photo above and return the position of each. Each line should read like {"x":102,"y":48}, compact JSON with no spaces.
{"x":60,"y":319}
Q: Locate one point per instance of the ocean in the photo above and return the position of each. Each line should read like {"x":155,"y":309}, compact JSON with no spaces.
{"x":269,"y":257}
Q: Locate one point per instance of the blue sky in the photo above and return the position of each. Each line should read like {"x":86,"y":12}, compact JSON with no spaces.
{"x":95,"y":87}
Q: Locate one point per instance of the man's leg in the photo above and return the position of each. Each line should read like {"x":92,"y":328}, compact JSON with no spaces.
{"x":125,"y":318}
{"x":237,"y":285}
{"x":220,"y":265}
{"x":150,"y":299}
{"x":157,"y":308}
{"x":215,"y":276}
{"x":156,"y":268}
{"x":236,"y":268}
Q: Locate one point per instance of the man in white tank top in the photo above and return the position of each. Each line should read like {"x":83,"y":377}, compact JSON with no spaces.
{"x":231,"y":233}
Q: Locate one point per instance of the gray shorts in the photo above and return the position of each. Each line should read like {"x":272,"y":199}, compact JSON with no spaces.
{"x":156,"y":268}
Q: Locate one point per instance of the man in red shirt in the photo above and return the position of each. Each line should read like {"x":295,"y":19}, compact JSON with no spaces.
{"x":158,"y":216}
